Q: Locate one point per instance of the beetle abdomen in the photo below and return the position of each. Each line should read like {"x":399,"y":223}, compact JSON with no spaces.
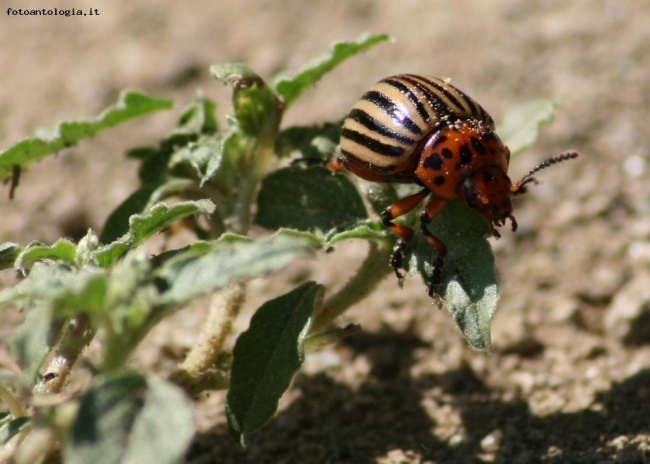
{"x":386,"y":126}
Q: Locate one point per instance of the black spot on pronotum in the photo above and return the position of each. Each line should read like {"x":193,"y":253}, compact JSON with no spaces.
{"x":478,"y":146}
{"x":465,"y":157}
{"x":439,"y":180}
{"x":465,"y":154}
{"x":433,"y":162}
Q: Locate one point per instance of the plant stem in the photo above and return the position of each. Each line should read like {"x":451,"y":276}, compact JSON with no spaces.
{"x":202,"y":359}
{"x":374,"y":268}
{"x":75,"y":337}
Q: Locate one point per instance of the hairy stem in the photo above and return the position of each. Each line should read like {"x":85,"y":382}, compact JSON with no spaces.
{"x":374,"y":268}
{"x":202,"y":359}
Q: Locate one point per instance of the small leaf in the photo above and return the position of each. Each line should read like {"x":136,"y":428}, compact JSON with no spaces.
{"x":50,"y":140}
{"x":473,"y":312}
{"x":204,"y":156}
{"x":520,"y":128}
{"x":125,"y":417}
{"x":86,"y":247}
{"x":62,"y":250}
{"x":307,"y":199}
{"x":9,"y":252}
{"x":106,"y":416}
{"x":198,"y":118}
{"x":117,"y":223}
{"x":292,"y":87}
{"x":164,"y":427}
{"x":266,"y":357}
{"x":469,"y":277}
{"x":143,"y":226}
{"x":200,"y":271}
{"x":84,"y":292}
{"x":153,"y":162}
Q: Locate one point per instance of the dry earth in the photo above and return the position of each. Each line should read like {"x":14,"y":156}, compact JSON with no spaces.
{"x":569,"y":378}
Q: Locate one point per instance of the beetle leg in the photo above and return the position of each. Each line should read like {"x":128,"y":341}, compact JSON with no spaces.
{"x":335,"y":164}
{"x":397,"y":209}
{"x":397,"y":259}
{"x":432,"y":210}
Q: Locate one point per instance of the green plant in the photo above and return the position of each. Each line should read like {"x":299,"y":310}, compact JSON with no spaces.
{"x":106,"y":287}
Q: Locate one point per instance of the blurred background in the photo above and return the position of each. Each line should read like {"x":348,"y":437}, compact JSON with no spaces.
{"x":567,"y":380}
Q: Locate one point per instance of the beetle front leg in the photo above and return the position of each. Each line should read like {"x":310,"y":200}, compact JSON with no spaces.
{"x":397,"y":209}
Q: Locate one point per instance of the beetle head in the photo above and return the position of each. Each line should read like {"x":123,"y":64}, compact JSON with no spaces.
{"x":489,"y":191}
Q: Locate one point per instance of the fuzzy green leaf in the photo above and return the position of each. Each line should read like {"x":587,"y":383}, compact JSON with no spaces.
{"x":196,"y":272}
{"x":117,"y":223}
{"x":469,"y":277}
{"x":164,"y":427}
{"x":65,"y":290}
{"x":198,"y":118}
{"x":63,"y":250}
{"x":266,"y":357}
{"x":292,"y":87}
{"x":204,"y":156}
{"x":143,"y":226}
{"x":520,"y":128}
{"x":307,"y":199}
{"x":50,"y":140}
{"x":125,"y":417}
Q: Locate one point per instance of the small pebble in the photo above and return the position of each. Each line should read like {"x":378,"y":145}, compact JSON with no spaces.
{"x":492,"y":441}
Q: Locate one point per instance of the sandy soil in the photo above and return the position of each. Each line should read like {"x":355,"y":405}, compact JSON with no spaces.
{"x":568,"y":380}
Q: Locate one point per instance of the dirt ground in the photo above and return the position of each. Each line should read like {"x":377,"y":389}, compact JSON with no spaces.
{"x":568,"y":380}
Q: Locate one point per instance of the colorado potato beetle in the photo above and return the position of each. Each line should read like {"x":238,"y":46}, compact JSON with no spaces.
{"x":420,"y":129}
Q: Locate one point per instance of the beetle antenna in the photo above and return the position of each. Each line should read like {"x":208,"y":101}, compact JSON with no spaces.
{"x":520,"y":186}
